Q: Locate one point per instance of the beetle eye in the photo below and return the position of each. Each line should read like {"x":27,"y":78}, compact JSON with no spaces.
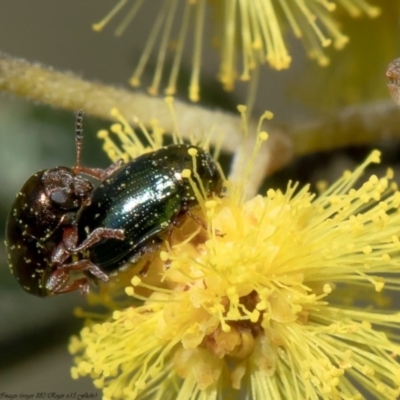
{"x":61,"y":198}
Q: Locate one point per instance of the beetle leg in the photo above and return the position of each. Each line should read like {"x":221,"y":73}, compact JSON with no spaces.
{"x":197,"y":219}
{"x":69,"y":241}
{"x":81,"y":284}
{"x":94,"y":237}
{"x":83,"y":265}
{"x":202,"y":223}
{"x":145,"y":269}
{"x":98,"y":173}
{"x":62,"y":251}
{"x":58,"y":283}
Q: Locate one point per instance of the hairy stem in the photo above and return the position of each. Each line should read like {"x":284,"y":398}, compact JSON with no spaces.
{"x":355,"y":125}
{"x":351,"y":126}
{"x":65,"y":90}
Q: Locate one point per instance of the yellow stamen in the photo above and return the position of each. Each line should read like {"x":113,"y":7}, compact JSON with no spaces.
{"x":153,"y":89}
{"x":194,"y":87}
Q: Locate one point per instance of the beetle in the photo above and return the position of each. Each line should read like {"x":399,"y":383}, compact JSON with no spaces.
{"x":146,"y":198}
{"x":59,"y":223}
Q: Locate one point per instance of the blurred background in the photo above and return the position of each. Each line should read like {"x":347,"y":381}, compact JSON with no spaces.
{"x":34,"y":332}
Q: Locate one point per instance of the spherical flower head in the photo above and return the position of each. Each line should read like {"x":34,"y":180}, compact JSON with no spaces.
{"x":279,"y":296}
{"x":247,"y":33}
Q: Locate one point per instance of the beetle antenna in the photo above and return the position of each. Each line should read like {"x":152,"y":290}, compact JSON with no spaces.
{"x":78,"y":137}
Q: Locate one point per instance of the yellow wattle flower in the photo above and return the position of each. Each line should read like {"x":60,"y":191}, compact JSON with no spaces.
{"x":248,"y":33}
{"x":281,"y":297}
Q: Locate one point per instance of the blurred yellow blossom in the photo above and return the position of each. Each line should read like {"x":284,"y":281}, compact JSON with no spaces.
{"x":284,"y":296}
{"x":248,"y":33}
